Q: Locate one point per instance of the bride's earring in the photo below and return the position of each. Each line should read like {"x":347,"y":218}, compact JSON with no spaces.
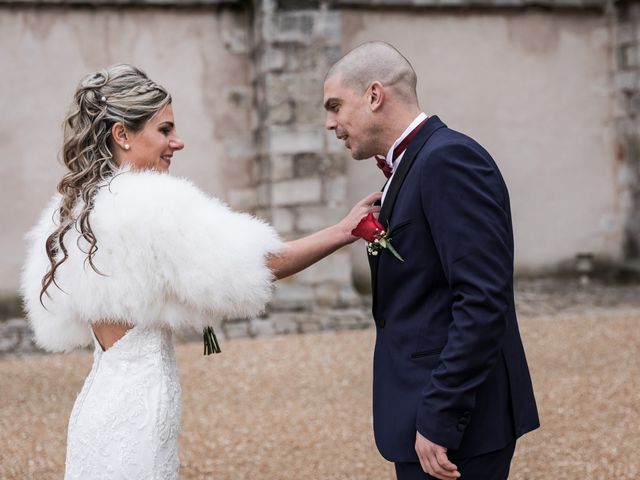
{"x":127,"y":146}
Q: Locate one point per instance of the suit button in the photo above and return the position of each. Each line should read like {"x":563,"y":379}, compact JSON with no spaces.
{"x":461,"y":427}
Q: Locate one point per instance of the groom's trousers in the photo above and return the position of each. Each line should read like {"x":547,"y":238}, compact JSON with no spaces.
{"x":489,"y":466}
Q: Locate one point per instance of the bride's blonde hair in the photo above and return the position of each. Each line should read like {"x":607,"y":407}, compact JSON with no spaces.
{"x":121,"y":93}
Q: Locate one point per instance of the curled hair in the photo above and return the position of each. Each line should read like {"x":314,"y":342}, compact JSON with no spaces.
{"x":121,"y":93}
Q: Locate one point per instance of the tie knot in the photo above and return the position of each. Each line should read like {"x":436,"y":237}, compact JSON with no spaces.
{"x":384,"y":166}
{"x":402,"y":146}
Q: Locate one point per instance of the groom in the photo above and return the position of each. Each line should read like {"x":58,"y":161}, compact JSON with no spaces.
{"x":451,"y":386}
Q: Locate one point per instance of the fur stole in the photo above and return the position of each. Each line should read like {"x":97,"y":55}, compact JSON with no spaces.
{"x":168,"y":256}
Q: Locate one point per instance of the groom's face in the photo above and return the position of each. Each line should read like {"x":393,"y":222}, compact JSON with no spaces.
{"x":349,"y":116}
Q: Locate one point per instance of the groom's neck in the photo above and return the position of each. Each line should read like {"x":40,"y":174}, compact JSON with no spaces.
{"x":396,"y":123}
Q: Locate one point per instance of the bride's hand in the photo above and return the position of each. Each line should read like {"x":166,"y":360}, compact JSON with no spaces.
{"x":360,"y":209}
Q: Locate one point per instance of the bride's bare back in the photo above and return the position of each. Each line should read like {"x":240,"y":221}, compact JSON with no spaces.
{"x":109,"y":333}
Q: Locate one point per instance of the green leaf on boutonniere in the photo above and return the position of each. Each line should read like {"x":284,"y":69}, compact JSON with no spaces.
{"x":393,"y":251}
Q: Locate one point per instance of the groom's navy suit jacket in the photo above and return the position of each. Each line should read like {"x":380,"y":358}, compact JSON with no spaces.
{"x":448,"y":359}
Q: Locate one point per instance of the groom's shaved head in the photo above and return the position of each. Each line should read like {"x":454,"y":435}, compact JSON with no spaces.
{"x":379,"y":61}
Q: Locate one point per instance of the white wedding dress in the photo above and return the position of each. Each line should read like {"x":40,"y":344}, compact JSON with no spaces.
{"x":126,"y":420}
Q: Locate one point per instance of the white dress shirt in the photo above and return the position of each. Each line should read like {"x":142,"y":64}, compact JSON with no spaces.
{"x":394,"y":165}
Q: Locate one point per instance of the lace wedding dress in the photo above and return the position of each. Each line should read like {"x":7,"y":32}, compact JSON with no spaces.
{"x":126,"y":420}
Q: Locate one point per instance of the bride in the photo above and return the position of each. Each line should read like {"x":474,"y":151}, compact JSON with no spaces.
{"x":125,"y":254}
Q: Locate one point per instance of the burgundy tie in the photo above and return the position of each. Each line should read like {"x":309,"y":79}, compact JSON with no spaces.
{"x":402,"y":146}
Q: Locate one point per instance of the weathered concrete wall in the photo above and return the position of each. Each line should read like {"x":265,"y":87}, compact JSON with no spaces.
{"x":536,"y":90}
{"x":301,"y":172}
{"x":626,"y":27}
{"x":201,"y":56}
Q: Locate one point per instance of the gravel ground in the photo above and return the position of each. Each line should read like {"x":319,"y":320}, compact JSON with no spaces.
{"x":293,"y":407}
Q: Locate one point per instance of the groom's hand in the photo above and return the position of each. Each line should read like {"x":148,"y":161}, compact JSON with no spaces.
{"x":434,"y":460}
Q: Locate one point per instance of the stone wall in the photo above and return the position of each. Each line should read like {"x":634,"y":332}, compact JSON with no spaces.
{"x":247,"y":83}
{"x":300,"y":171}
{"x":204,"y":62}
{"x":626,"y":26}
{"x":544,"y":111}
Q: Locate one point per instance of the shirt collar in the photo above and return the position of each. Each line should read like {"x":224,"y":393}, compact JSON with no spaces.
{"x":408,"y":130}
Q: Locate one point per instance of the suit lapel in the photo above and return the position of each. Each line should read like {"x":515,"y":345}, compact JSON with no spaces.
{"x":433,"y":124}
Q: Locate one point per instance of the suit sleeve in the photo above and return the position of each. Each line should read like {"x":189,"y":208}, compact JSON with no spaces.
{"x":465,"y":204}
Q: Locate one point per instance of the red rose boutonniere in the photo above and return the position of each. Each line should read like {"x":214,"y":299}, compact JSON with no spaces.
{"x":373,"y":232}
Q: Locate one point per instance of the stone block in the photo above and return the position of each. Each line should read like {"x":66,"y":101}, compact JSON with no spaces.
{"x":335,"y":268}
{"x":308,"y":165}
{"x":284,"y":322}
{"x":325,"y":164}
{"x":273,"y":59}
{"x":349,"y":298}
{"x":290,"y":295}
{"x":309,"y":325}
{"x":326,"y":295}
{"x":632,"y":56}
{"x":236,"y":328}
{"x":300,"y":87}
{"x":261,"y":327}
{"x":238,"y":95}
{"x":297,"y":191}
{"x":235,"y":37}
{"x":633,"y":10}
{"x":295,"y":139}
{"x":626,"y":80}
{"x":281,"y":167}
{"x":333,"y":53}
{"x":309,"y":111}
{"x":302,"y":58}
{"x":189,"y":335}
{"x":351,"y":319}
{"x":601,"y":4}
{"x":292,"y":26}
{"x":263,"y":195}
{"x":329,"y":27}
{"x":9,"y":339}
{"x":243,"y":198}
{"x":335,"y":191}
{"x":337,"y":163}
{"x":283,"y":220}
{"x":459,"y":3}
{"x":263,"y":213}
{"x":426,"y":3}
{"x":16,"y":336}
{"x":239,"y":146}
{"x":281,"y":114}
{"x":255,"y":121}
{"x":624,"y":33}
{"x":324,"y":318}
{"x":568,"y":3}
{"x":278,"y":88}
{"x":316,"y":217}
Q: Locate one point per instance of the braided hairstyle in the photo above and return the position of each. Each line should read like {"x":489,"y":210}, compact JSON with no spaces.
{"x":121,"y":93}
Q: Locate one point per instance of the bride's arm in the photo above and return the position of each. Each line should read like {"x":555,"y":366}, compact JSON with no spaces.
{"x":300,"y":254}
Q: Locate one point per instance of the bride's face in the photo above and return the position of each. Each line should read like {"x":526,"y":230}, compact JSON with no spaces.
{"x":152,"y":148}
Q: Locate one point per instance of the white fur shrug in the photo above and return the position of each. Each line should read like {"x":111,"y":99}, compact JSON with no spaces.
{"x":171,"y":256}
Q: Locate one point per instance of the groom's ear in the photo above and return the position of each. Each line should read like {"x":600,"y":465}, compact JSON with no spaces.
{"x":376,"y":96}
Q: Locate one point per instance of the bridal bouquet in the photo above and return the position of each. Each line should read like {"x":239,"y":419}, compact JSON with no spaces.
{"x":211,"y":344}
